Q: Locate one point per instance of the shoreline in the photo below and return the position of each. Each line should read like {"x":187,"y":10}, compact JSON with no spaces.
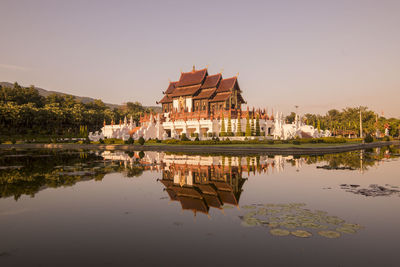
{"x":207,"y":149}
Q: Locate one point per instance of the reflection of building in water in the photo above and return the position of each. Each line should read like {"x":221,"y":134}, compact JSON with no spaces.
{"x":198,"y":187}
{"x":202,"y":182}
{"x":247,"y":164}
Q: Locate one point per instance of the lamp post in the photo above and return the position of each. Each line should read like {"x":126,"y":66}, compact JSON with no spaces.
{"x":361,"y":129}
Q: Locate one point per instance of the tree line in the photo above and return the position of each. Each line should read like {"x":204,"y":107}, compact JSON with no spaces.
{"x":348,"y":120}
{"x":24,"y":111}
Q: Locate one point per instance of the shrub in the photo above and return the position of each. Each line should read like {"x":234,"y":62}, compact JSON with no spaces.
{"x":210,"y":134}
{"x":141,"y":153}
{"x":141,"y":141}
{"x":184,"y":138}
{"x":109,"y":141}
{"x":101,"y":141}
{"x":296,"y":142}
{"x":130,"y":141}
{"x":13,"y":141}
{"x":368,"y":139}
{"x":197,"y":139}
{"x":386,"y":138}
{"x":158,"y":140}
{"x":217,"y":139}
{"x":170,"y":141}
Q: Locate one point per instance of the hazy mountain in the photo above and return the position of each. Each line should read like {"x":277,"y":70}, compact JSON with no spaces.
{"x":82,"y":99}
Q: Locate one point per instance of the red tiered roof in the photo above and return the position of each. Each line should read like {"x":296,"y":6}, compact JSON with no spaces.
{"x":192,"y":78}
{"x":190,"y":90}
{"x":171,"y":87}
{"x":220,"y":97}
{"x":227,"y":84}
{"x":166,"y":99}
{"x":211,"y":81}
{"x":200,"y":85}
{"x":205,"y":93}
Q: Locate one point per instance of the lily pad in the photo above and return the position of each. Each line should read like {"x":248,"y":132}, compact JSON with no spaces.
{"x":250,"y":214}
{"x":250,"y":222}
{"x":329,"y":234}
{"x":248,"y":207}
{"x":274,"y":219}
{"x":346,"y":230}
{"x":273,"y":211}
{"x":273,"y":224}
{"x":279,"y":232}
{"x":262,"y":212}
{"x":311,"y":225}
{"x":301,"y":233}
{"x":334,"y":220}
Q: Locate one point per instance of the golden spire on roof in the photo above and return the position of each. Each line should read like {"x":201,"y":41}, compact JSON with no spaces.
{"x":194,"y":68}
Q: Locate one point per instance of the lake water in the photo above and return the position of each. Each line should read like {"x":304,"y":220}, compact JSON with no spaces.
{"x":107,"y":208}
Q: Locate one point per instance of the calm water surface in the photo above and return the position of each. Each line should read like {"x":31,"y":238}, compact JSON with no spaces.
{"x":103,"y":208}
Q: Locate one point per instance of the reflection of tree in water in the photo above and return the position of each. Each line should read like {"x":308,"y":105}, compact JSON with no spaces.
{"x":360,"y":160}
{"x":135,"y":171}
{"x":28,"y":172}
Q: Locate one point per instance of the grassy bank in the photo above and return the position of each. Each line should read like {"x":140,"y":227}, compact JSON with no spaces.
{"x":305,"y":142}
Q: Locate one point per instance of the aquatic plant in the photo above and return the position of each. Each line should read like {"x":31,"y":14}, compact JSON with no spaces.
{"x":295,"y":219}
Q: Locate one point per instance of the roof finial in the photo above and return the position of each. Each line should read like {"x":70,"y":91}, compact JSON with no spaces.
{"x":207,"y":66}
{"x":194,"y":68}
{"x":222,"y":70}
{"x":237,"y":74}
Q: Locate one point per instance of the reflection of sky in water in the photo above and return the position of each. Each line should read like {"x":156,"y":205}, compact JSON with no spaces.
{"x":112,"y":219}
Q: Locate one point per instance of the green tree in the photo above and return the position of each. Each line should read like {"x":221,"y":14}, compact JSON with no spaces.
{"x":258,"y":130}
{"x":223,"y":130}
{"x":248,"y":127}
{"x":290,"y":118}
{"x":229,"y":128}
{"x":239,"y":127}
{"x":252,"y":129}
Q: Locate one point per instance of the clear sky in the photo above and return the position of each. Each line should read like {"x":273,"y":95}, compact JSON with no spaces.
{"x":315,"y":54}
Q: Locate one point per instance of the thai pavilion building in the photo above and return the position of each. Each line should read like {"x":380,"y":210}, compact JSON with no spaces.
{"x":206,"y":106}
{"x":196,"y":105}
